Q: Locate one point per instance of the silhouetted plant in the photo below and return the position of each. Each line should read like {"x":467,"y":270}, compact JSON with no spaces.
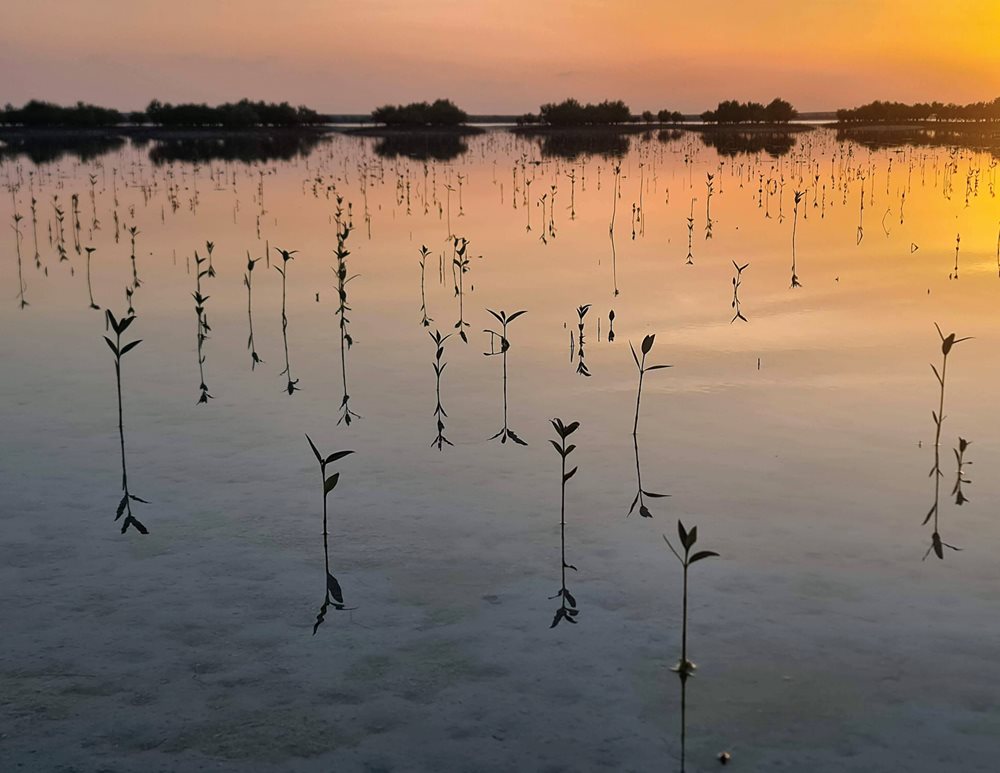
{"x":60,"y":232}
{"x":38,"y":257}
{"x":954,"y":271}
{"x":75,"y":212}
{"x":248,"y":282}
{"x":567,"y":608}
{"x":125,"y":505}
{"x":611,"y":326}
{"x":425,"y":321}
{"x":346,"y":342}
{"x":95,"y":224}
{"x":286,"y":256}
{"x":685,"y":667}
{"x":459,"y":268}
{"x":709,"y":189}
{"x":203,"y":327}
{"x":332,"y":594}
{"x":937,"y":544}
{"x":439,"y":412}
{"x":795,"y":223}
{"x":209,"y":247}
{"x":737,"y":281}
{"x":20,"y":276}
{"x":504,"y":320}
{"x":960,"y":479}
{"x":690,"y":225}
{"x":581,"y":364}
{"x":133,"y":232}
{"x":647,"y":344}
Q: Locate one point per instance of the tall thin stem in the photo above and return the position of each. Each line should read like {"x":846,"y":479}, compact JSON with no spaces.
{"x":638,"y":395}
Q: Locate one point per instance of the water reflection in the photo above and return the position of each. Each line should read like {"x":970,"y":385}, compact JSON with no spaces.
{"x":735,"y":143}
{"x":422,"y":146}
{"x":248,"y":148}
{"x":44,"y":148}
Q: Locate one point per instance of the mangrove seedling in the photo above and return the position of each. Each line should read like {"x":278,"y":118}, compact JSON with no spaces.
{"x":203,"y":327}
{"x":439,"y":412}
{"x":567,"y":607}
{"x":133,"y":232}
{"x":737,"y":281}
{"x":960,"y":498}
{"x":504,"y":320}
{"x":937,"y":544}
{"x":248,"y":281}
{"x":795,"y":223}
{"x":346,"y":342}
{"x":581,"y":366}
{"x":647,"y":345}
{"x":332,"y":595}
{"x":286,"y":256}
{"x":685,"y":667}
{"x":20,"y":276}
{"x":125,"y":505}
{"x":426,"y":321}
{"x":459,"y":268}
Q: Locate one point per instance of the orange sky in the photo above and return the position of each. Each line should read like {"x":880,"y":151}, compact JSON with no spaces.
{"x":499,"y":55}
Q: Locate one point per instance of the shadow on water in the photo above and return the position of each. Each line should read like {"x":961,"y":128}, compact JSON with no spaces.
{"x":247,"y":148}
{"x":967,"y":136}
{"x":735,"y":143}
{"x":49,"y":148}
{"x":577,"y":144}
{"x":422,"y":146}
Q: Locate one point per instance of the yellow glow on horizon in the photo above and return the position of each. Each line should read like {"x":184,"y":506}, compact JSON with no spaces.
{"x":501,"y":55}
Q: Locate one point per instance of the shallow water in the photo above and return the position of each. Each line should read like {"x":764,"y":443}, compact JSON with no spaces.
{"x":798,"y":441}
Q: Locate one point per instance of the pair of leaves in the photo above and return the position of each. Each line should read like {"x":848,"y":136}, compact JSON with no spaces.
{"x":119,"y":326}
{"x":563,"y":452}
{"x":131,"y":520}
{"x":948,"y":341}
{"x":324,"y":461}
{"x":502,"y":317}
{"x":569,"y":615}
{"x":124,"y":350}
{"x":564,"y":430}
{"x":564,"y":593}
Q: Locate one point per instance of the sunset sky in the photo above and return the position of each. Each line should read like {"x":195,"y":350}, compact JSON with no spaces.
{"x":504,"y":56}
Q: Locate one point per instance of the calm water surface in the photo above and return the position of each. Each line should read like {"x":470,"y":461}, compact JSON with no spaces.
{"x":798,"y":440}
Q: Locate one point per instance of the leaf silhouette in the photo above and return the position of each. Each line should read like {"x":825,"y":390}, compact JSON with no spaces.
{"x":334,"y":588}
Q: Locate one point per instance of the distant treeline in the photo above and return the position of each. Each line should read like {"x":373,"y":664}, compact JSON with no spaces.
{"x":900,"y":112}
{"x":45,"y":114}
{"x":571,"y":112}
{"x":733,"y":112}
{"x":440,"y":112}
{"x":231,"y":115}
